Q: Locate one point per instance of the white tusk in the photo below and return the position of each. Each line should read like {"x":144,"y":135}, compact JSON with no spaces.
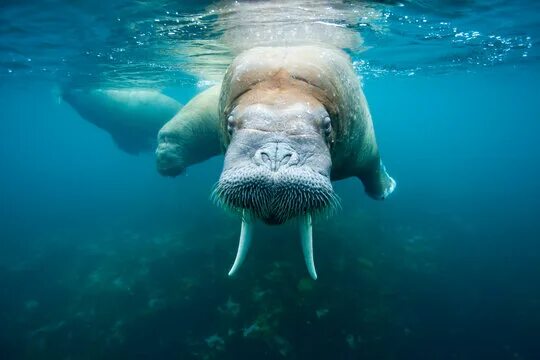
{"x":306,"y":237}
{"x":243,"y":246}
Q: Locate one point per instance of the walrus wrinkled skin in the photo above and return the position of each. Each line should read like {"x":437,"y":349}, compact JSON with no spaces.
{"x":290,"y":120}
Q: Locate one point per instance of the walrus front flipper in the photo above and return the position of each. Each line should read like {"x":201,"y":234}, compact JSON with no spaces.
{"x":377,"y":183}
{"x":192,"y":136}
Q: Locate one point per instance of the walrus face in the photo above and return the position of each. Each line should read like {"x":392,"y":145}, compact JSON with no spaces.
{"x":277,"y":167}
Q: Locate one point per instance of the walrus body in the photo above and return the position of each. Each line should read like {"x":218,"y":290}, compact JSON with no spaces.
{"x":327,"y":76}
{"x":324,"y":74}
{"x":132,"y":117}
{"x":290,"y":120}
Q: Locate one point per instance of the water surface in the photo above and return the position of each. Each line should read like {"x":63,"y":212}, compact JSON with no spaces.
{"x":100,"y":257}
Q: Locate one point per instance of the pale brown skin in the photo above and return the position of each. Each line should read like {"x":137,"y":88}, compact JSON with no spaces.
{"x":322,"y":79}
{"x":191,"y":136}
{"x":131,"y":116}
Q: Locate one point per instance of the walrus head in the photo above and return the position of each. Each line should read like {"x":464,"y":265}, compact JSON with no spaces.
{"x":277,"y":164}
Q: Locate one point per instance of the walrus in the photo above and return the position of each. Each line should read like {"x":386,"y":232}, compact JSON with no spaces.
{"x":132,"y":117}
{"x":290,"y":120}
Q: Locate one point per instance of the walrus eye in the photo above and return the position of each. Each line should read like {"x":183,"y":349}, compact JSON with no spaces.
{"x":230,"y":125}
{"x":327,"y":126}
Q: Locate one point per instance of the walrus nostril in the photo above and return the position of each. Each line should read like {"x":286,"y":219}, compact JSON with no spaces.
{"x":265,"y":157}
{"x":274,"y":156}
{"x":285,"y":160}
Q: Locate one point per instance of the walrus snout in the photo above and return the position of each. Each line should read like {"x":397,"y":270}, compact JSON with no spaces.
{"x":275,"y":197}
{"x":276,"y":177}
{"x":275,"y":156}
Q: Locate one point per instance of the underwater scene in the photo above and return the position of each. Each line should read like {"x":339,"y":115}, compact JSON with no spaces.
{"x":303,"y":179}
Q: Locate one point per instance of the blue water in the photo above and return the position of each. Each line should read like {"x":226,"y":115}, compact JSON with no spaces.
{"x":101,"y":257}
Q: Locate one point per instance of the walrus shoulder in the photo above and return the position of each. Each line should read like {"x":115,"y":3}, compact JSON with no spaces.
{"x":192,"y":136}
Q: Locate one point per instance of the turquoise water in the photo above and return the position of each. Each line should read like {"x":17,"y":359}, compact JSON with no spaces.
{"x":101,"y":257}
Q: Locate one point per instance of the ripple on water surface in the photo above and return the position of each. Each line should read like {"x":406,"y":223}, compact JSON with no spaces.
{"x":164,"y":43}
